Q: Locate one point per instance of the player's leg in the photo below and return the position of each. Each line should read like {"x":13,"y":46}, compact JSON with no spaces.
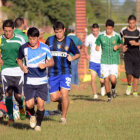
{"x":7,"y":89}
{"x":93,"y":67}
{"x":54,"y":87}
{"x":129,"y":71}
{"x":29,"y":93}
{"x":18,"y":90}
{"x":65,"y":84}
{"x":42,"y":95}
{"x":113,"y":78}
{"x":105,"y":72}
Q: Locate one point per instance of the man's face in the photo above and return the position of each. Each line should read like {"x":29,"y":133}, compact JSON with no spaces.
{"x":59,"y":33}
{"x":8,"y":32}
{"x":33,"y":41}
{"x":109,"y":30}
{"x":95,"y":31}
{"x":132,"y":23}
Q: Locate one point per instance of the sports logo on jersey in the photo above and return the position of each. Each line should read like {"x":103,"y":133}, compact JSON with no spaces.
{"x":66,"y":48}
{"x":114,"y":42}
{"x":58,"y":46}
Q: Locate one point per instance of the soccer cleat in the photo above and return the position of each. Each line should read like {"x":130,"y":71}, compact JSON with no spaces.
{"x":109,"y":100}
{"x":22,"y":114}
{"x":38,"y":128}
{"x":33,"y":121}
{"x":95,"y":96}
{"x":10,"y":122}
{"x":135,"y":94}
{"x":59,"y":107}
{"x":103,"y":91}
{"x":128,"y":90}
{"x":63,"y":121}
{"x":114,"y":94}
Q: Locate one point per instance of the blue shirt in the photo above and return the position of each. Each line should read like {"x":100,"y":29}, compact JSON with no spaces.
{"x":33,"y":57}
{"x":60,"y":51}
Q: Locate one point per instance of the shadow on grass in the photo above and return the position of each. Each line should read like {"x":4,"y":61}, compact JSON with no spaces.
{"x":85,"y":97}
{"x":16,"y":125}
{"x":50,"y":119}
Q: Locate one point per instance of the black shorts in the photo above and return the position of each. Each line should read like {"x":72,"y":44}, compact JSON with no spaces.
{"x":132,"y":66}
{"x":14,"y":83}
{"x":34,"y":91}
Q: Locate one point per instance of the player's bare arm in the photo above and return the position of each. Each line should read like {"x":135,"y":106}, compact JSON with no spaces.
{"x":116,"y":47}
{"x":71,"y":58}
{"x":1,"y":61}
{"x":86,"y":52}
{"x":134,"y":43}
{"x":97,"y":48}
{"x":23,"y":68}
{"x":49,"y":63}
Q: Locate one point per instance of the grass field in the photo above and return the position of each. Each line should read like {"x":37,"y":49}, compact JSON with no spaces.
{"x":87,"y":119}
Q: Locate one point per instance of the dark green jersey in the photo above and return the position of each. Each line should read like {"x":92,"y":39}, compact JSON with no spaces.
{"x":9,"y":50}
{"x":19,"y":32}
{"x":107,"y":43}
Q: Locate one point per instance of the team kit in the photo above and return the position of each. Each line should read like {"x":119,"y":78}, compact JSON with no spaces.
{"x":30,"y":69}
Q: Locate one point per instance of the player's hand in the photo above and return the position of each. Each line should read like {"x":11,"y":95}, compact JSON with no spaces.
{"x":70,"y":58}
{"x":133,"y":43}
{"x":25,"y":69}
{"x":1,"y":62}
{"x":124,"y":48}
{"x":42,"y":66}
{"x":115,"y":48}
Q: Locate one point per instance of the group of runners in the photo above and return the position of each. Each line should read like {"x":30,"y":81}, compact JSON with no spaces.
{"x":31,"y":69}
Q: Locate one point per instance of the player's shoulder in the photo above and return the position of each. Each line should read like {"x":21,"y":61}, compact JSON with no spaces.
{"x":44,"y":46}
{"x":138,"y":29}
{"x":117,"y":34}
{"x":24,"y":45}
{"x":101,"y":34}
{"x":20,"y":37}
{"x":123,"y":29}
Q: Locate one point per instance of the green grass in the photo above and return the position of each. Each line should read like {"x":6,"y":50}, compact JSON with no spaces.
{"x":87,"y":119}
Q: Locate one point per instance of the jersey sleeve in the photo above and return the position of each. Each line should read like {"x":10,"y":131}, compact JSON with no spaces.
{"x":21,"y":53}
{"x":73,"y":48}
{"x":48,"y":56}
{"x":98,"y":41}
{"x":79,"y":42}
{"x":87,"y":42}
{"x":120,"y":40}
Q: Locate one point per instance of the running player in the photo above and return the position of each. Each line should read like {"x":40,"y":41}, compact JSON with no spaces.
{"x":131,"y":38}
{"x":12,"y":76}
{"x":60,"y":74}
{"x":110,"y":43}
{"x":38,"y":57}
{"x":95,"y":60}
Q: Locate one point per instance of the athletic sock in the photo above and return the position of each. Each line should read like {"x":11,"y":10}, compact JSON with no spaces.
{"x":40,"y":116}
{"x":31,"y":111}
{"x":108,"y":95}
{"x":9,"y":105}
{"x":21,"y":102}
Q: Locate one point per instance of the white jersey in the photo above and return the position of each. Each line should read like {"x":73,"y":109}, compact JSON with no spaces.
{"x":95,"y":56}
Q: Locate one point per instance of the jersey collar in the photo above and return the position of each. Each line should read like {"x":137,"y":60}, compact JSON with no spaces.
{"x":31,"y":47}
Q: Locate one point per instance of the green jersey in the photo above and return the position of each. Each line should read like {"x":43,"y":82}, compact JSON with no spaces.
{"x":9,"y":50}
{"x":107,"y":43}
{"x":19,"y":32}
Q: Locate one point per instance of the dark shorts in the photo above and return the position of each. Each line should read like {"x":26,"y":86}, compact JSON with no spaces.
{"x":34,"y":91}
{"x":132,"y":66}
{"x":14,"y":83}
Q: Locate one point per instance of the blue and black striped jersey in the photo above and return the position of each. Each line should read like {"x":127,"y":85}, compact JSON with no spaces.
{"x":60,"y":51}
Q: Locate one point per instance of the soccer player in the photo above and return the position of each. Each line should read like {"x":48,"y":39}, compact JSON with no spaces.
{"x":38,"y":57}
{"x":95,"y":59}
{"x":12,"y":76}
{"x":19,"y":27}
{"x":110,"y":42}
{"x":131,"y":38}
{"x":74,"y":63}
{"x":60,"y":74}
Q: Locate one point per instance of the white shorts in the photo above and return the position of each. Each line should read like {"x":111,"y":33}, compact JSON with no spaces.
{"x":109,"y":69}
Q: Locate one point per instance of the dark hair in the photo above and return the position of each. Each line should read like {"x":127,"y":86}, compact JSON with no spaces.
{"x":131,"y":17}
{"x":33,"y":32}
{"x":95,"y":25}
{"x":109,"y":22}
{"x":8,"y":23}
{"x":18,"y":22}
{"x":58,"y":25}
